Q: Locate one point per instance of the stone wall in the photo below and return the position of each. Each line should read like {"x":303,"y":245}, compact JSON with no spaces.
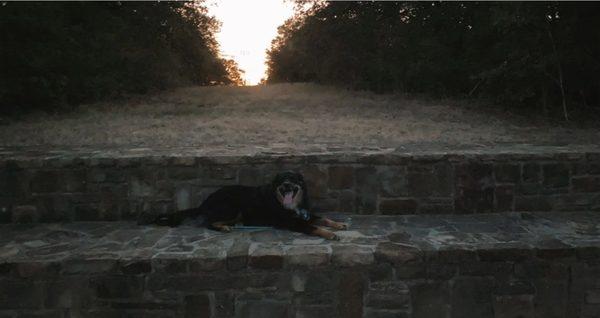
{"x":106,"y":188}
{"x":314,"y":283}
{"x":503,"y":265}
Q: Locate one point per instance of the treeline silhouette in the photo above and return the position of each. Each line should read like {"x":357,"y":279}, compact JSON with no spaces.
{"x":543,"y":55}
{"x":57,"y":55}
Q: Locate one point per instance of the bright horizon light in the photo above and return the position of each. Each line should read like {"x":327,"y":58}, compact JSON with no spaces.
{"x":247,"y":29}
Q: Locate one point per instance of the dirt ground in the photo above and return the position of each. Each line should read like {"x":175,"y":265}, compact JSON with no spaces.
{"x":292,"y":115}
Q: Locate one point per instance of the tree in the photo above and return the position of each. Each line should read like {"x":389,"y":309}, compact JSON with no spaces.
{"x":58,"y":55}
{"x":541,"y":55}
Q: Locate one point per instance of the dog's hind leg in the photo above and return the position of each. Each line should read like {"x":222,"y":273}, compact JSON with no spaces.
{"x":330,"y":223}
{"x":225,"y":226}
{"x":324,"y":234}
{"x":220,"y":226}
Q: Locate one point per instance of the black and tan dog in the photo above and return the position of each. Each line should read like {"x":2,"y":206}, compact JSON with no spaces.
{"x":282,"y":204}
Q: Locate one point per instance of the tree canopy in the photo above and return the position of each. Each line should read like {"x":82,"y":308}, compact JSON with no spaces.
{"x":543,"y":55}
{"x":56,"y":55}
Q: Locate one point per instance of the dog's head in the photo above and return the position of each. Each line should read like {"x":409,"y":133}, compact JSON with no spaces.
{"x":291,"y":191}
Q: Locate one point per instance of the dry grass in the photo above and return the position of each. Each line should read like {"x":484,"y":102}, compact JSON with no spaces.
{"x":284,"y":114}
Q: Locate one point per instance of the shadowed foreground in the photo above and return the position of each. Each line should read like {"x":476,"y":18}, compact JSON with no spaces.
{"x":492,"y":265}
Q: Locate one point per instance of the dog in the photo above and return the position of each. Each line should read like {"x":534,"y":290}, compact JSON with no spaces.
{"x":283,"y":203}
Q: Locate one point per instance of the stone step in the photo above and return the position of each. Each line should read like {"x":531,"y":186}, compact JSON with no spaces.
{"x":481,"y":265}
{"x":95,"y":185}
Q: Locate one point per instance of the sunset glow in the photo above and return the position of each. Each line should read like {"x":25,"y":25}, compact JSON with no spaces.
{"x":247,"y":29}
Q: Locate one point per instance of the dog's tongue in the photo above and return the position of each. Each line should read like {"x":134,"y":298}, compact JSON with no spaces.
{"x":287,"y":199}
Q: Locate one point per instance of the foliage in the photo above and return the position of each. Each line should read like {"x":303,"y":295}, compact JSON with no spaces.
{"x":538,"y":54}
{"x":56,"y":55}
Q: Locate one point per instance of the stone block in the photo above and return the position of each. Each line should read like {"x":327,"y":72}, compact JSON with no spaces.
{"x":140,"y":188}
{"x":507,"y":173}
{"x":183,"y":173}
{"x":315,"y":178}
{"x":514,"y":306}
{"x":392,"y":295}
{"x":438,"y":182}
{"x":89,"y":266}
{"x":14,"y":181}
{"x":526,"y":188}
{"x":556,"y":175}
{"x":197,"y":306}
{"x":455,"y":255}
{"x":183,"y":197}
{"x":410,"y":271}
{"x":46,"y":313}
{"x":87,"y":212}
{"x":587,"y":184}
{"x":474,"y":186}
{"x":592,"y":296}
{"x":504,"y":198}
{"x":70,"y":292}
{"x":430,"y":299}
{"x":117,"y":286}
{"x":397,"y":253}
{"x":393,"y":181}
{"x":262,"y":309}
{"x":367,"y":190}
{"x":237,"y":255}
{"x":350,"y":291}
{"x":20,"y":294}
{"x":551,"y":298}
{"x":542,"y":270}
{"x":315,"y":311}
{"x":37,"y":269}
{"x":441,"y":271}
{"x":533,"y":203}
{"x":588,"y":253}
{"x":321,"y":280}
{"x":46,"y":181}
{"x":250,"y":176}
{"x":73,"y":181}
{"x":590,"y":311}
{"x":382,"y":313}
{"x":586,"y":168}
{"x":265,"y":256}
{"x":167,"y":189}
{"x":553,"y":248}
{"x":135,"y":267}
{"x":532,"y":172}
{"x":398,"y":206}
{"x":512,"y":288}
{"x":346,"y":201}
{"x":308,"y":255}
{"x":207,"y":260}
{"x":183,"y":161}
{"x":341,"y":177}
{"x":351,"y":255}
{"x":471,"y":297}
{"x":502,"y":252}
{"x":380,"y":272}
{"x":25,"y":214}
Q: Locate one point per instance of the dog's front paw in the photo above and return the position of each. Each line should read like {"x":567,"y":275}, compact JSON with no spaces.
{"x":340,"y":226}
{"x":226,"y":229}
{"x":334,"y":238}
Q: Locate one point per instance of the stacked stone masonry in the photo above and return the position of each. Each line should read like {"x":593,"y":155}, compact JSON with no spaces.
{"x":498,"y":265}
{"x":104,"y":187}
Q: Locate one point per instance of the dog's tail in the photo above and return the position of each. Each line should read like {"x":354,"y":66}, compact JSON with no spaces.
{"x":169,"y":219}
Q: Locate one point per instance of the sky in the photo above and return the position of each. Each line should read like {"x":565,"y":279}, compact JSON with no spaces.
{"x":247,"y":29}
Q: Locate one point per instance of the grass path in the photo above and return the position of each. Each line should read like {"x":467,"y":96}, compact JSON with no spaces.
{"x":284,"y":114}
